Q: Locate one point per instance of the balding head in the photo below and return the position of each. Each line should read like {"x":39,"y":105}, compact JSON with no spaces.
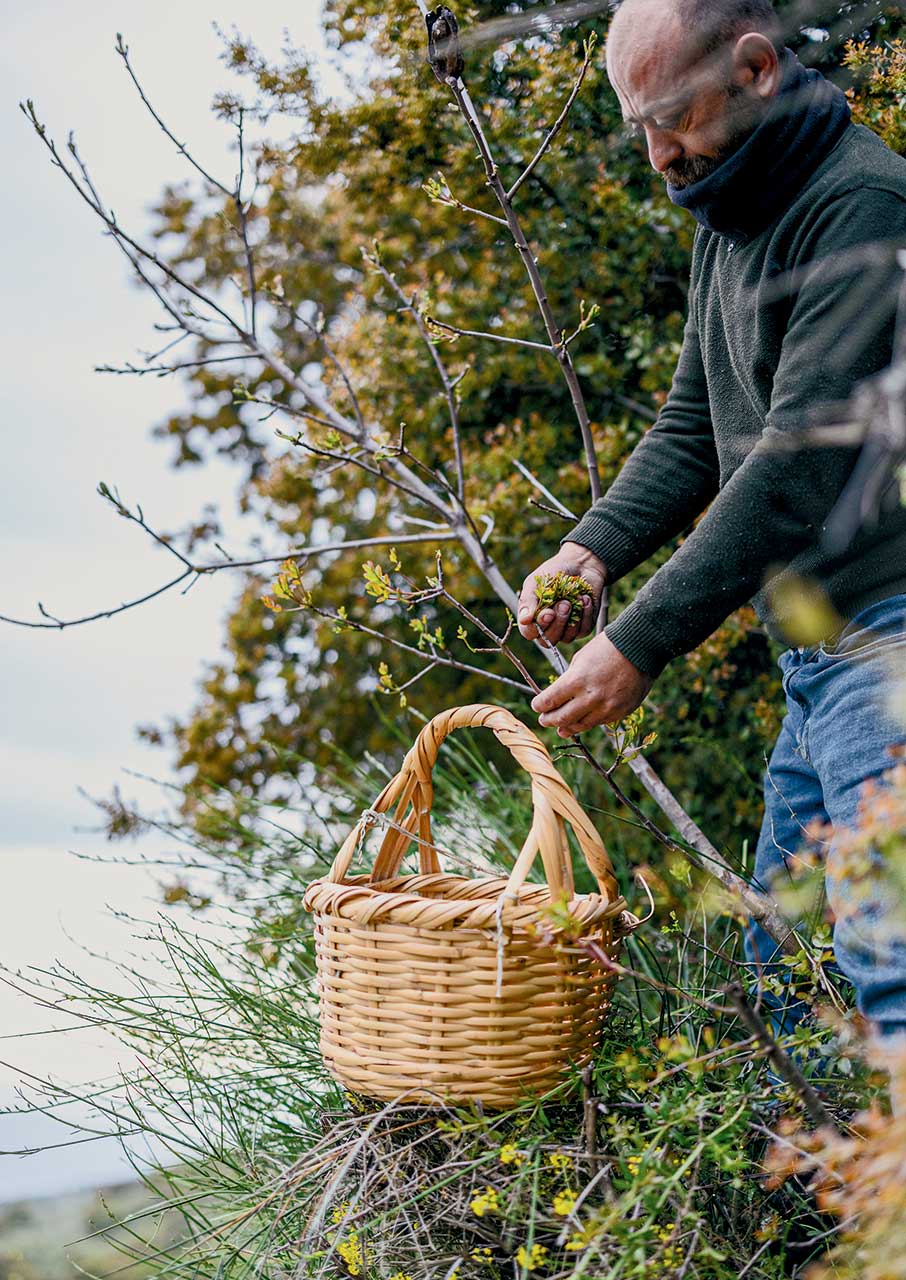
{"x":702,"y":27}
{"x":695,"y":75}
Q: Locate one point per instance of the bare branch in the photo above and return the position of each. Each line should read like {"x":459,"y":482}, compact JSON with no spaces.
{"x":448,"y":385}
{"x":533,"y":480}
{"x":436,"y":657}
{"x":137,"y":254}
{"x":356,"y":462}
{"x":242,"y":212}
{"x":59,"y":624}
{"x":780,"y":1060}
{"x":161,"y":370}
{"x":123,"y":50}
{"x":319,"y":334}
{"x":644,"y":410}
{"x":559,"y":122}
{"x":319,"y":549}
{"x":492,"y":337}
{"x":555,"y":335}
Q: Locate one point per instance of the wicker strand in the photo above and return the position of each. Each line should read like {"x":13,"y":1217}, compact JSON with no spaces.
{"x":369,"y":818}
{"x":501,"y":942}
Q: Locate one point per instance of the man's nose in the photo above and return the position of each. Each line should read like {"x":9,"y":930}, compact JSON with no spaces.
{"x":663,"y":149}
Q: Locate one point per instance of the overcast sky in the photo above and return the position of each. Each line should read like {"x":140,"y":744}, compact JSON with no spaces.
{"x":71,"y":699}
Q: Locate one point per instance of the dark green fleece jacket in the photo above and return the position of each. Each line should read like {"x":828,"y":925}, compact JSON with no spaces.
{"x":781,"y":324}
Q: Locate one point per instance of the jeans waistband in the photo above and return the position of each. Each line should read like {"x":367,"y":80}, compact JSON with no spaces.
{"x":871,"y":623}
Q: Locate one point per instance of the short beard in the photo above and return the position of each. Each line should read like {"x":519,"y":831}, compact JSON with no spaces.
{"x":744,"y":120}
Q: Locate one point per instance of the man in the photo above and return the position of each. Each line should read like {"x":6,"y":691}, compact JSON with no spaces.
{"x":791,"y":304}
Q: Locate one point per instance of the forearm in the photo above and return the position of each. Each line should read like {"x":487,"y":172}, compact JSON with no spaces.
{"x":667,"y":482}
{"x":770,"y":511}
{"x":670,"y":477}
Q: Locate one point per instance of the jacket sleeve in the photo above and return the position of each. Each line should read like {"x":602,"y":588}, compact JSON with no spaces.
{"x":840,"y":330}
{"x":668,"y":479}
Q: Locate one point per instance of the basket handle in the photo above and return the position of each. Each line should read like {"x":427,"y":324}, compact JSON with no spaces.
{"x":554,"y":804}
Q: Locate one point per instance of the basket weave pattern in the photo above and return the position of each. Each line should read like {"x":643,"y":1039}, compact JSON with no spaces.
{"x":444,"y":987}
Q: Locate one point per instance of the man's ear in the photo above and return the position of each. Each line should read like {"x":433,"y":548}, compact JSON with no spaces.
{"x":756,"y":66}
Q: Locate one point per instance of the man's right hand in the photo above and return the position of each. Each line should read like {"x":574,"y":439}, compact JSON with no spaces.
{"x":553,"y":624}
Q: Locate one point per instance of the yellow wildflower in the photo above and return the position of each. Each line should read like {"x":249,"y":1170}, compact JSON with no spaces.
{"x":350,"y":1250}
{"x":564,"y":1202}
{"x":579,"y":1240}
{"x":482,"y":1253}
{"x":531,"y":1259}
{"x":510,"y":1154}
{"x":486,"y":1202}
{"x":338,"y":1213}
{"x":559,"y":1160}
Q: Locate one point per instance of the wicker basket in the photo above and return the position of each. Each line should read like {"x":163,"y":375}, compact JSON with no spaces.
{"x":442,"y":987}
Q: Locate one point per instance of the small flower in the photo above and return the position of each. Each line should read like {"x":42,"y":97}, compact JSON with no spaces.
{"x":486,"y":1202}
{"x":564,"y":1202}
{"x":338,"y":1213}
{"x":531,"y":1259}
{"x":510,"y":1154}
{"x":633,"y":1164}
{"x":350,"y":1250}
{"x":559,"y":1160}
{"x":578,"y":1240}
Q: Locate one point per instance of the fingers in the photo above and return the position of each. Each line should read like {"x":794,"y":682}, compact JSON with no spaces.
{"x":554,"y":621}
{"x":551,"y":624}
{"x":574,"y":718}
{"x":581,"y":724}
{"x":550,"y":699}
{"x":525,"y":611}
{"x":585,"y":623}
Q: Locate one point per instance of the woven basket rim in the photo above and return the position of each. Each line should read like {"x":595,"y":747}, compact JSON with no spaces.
{"x":478,"y":902}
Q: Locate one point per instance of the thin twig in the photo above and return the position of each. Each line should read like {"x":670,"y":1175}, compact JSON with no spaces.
{"x":448,"y":384}
{"x":161,"y":370}
{"x":558,"y":123}
{"x":555,"y":335}
{"x":590,"y":1118}
{"x":123,"y":50}
{"x":779,"y":1059}
{"x":558,"y":505}
{"x":491,"y":337}
{"x":59,"y":624}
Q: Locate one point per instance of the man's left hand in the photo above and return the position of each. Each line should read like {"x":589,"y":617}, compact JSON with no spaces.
{"x":600,"y":686}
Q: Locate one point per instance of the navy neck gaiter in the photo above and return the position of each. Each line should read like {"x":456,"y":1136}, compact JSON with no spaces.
{"x":755,"y":184}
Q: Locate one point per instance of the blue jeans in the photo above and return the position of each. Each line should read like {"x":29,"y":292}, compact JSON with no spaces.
{"x":841,"y":723}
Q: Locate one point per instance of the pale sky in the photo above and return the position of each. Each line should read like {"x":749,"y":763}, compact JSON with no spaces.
{"x":71,"y":699}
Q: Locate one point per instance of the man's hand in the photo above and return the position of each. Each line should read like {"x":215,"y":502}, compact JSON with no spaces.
{"x":600,"y":686}
{"x":553,"y":624}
